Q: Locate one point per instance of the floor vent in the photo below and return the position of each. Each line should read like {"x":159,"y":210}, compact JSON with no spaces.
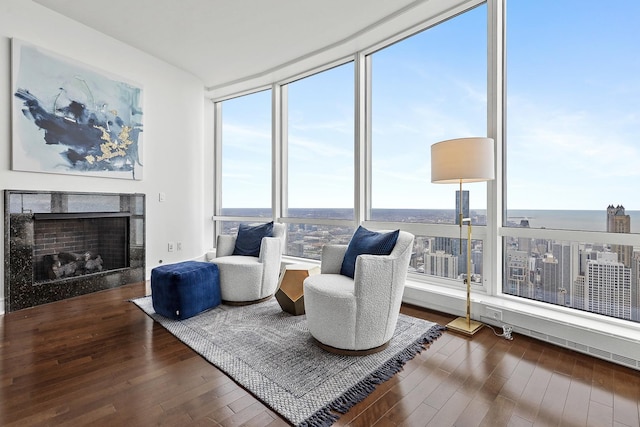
{"x":595,"y":352}
{"x":580,"y":347}
{"x":600,"y":353}
{"x":539,"y":336}
{"x":625,"y":361}
{"x":558,"y":341}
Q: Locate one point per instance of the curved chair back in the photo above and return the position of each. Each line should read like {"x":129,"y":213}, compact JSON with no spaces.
{"x":379,"y":298}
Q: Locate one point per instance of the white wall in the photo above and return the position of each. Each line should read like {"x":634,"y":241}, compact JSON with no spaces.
{"x":174,"y":130}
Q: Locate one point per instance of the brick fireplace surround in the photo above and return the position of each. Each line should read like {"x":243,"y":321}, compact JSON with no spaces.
{"x":43,"y":224}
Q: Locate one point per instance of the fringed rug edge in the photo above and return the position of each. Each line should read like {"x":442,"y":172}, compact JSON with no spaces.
{"x":358,"y":392}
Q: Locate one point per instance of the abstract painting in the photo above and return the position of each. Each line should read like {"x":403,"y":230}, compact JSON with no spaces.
{"x":70,"y":118}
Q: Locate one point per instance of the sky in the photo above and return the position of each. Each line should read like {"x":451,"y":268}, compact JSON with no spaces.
{"x":573,"y":115}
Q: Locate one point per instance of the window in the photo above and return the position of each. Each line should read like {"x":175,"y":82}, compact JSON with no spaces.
{"x":320,"y":135}
{"x":321,"y":144}
{"x":246,"y":156}
{"x":307,"y":240}
{"x":572,"y":154}
{"x":427,"y":88}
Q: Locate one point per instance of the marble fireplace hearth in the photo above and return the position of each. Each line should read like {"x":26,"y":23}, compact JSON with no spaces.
{"x":63,"y":244}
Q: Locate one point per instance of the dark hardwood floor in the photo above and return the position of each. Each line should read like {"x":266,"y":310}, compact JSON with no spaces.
{"x":99,"y":360}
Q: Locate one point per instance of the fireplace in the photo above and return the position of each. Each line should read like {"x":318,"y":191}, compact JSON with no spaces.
{"x":63,"y":244}
{"x":68,"y":245}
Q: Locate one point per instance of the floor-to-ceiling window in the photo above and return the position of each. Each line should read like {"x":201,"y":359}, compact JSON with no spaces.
{"x":320,"y":160}
{"x":426,"y":88}
{"x":245,"y":166}
{"x":572,"y":154}
{"x":569,"y":229}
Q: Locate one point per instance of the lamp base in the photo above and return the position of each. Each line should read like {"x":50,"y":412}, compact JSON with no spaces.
{"x":460,"y":325}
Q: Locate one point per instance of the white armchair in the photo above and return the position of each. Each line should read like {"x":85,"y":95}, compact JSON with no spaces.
{"x":359,"y":315}
{"x":248,"y":279}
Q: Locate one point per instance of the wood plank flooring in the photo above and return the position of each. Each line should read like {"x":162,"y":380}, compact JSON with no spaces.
{"x":99,"y":360}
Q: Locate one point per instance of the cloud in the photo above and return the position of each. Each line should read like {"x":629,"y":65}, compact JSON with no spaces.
{"x":567,"y":157}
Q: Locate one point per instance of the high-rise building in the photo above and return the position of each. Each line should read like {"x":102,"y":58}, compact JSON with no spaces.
{"x":459,"y":246}
{"x":619,"y":222}
{"x":465,"y":205}
{"x":608,"y":286}
{"x":577,"y":296}
{"x":550,"y":274}
{"x":635,"y":288}
{"x":517,"y":274}
{"x":441,"y":264}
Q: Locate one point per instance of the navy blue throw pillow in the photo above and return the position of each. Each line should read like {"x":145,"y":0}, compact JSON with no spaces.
{"x":367,"y":242}
{"x":250,"y":237}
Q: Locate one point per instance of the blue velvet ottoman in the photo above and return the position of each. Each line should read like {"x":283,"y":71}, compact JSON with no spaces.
{"x":182,"y":290}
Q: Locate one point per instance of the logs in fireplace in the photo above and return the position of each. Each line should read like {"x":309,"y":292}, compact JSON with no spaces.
{"x":68,"y":264}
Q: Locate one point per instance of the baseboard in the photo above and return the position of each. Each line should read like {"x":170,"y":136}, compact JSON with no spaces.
{"x":609,"y":339}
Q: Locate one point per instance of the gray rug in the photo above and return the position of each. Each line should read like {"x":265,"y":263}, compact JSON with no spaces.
{"x":272,"y":355}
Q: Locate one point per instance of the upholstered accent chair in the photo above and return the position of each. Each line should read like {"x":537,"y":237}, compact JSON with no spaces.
{"x":247,"y":279}
{"x":357,"y":315}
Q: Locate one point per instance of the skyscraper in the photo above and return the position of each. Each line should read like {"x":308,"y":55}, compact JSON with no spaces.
{"x":608,"y":286}
{"x":441,"y":264}
{"x":465,"y":205}
{"x":619,"y":222}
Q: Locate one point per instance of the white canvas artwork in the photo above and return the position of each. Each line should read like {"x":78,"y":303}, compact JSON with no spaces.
{"x":70,"y":118}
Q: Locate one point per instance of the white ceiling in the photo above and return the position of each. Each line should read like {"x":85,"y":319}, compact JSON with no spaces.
{"x":225,"y":41}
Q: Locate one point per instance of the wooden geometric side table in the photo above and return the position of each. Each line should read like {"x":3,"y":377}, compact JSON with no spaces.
{"x":290,"y":294}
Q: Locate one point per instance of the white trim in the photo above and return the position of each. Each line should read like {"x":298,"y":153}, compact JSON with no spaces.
{"x":360,"y":140}
{"x":492,"y":247}
{"x":284,"y":151}
{"x":277,"y":176}
{"x":217,"y":166}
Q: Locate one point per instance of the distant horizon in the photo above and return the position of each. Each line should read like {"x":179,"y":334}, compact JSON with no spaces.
{"x":447,"y":209}
{"x":552,"y":219}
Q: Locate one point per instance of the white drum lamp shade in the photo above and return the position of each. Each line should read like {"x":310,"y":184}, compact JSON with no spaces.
{"x":462,"y":160}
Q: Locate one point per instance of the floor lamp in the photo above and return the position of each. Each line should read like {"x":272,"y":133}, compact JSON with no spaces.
{"x":453,"y":162}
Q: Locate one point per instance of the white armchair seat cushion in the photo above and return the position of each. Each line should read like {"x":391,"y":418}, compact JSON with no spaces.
{"x":334,"y":303}
{"x":240,"y":274}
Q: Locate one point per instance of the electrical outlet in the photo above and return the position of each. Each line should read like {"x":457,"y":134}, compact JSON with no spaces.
{"x":179,"y":246}
{"x":170,"y":246}
{"x":493,"y":313}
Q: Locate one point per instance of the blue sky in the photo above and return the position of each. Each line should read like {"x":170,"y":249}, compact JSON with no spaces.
{"x":573,"y":115}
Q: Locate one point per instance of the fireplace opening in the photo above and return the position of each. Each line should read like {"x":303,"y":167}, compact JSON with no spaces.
{"x":71,"y":245}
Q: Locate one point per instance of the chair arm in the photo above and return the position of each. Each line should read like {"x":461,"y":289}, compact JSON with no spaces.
{"x":331,"y":258}
{"x":270,"y":249}
{"x":226,"y":243}
{"x":270,"y":257}
{"x":374,"y":275}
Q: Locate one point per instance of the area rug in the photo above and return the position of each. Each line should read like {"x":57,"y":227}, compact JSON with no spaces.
{"x":271,"y":354}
